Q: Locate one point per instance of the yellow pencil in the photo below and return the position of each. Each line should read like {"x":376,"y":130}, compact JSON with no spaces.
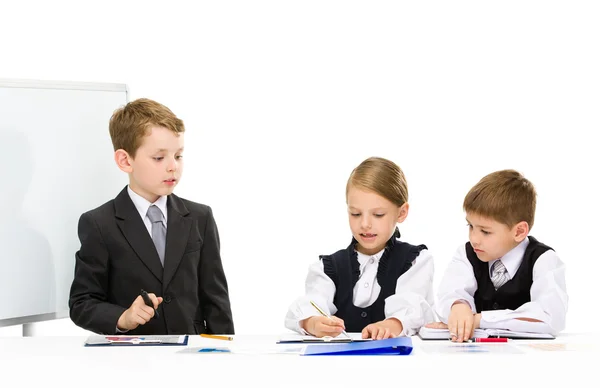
{"x":218,"y":337}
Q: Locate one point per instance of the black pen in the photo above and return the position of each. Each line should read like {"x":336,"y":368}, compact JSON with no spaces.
{"x":148,"y":302}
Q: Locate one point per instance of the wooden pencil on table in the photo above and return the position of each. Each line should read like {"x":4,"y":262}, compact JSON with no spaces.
{"x":218,"y":337}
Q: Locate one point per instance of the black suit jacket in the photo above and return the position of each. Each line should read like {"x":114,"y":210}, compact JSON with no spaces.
{"x":117,"y":259}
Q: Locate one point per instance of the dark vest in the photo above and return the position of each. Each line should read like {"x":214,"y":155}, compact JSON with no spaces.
{"x":344,"y":270}
{"x":513,"y":293}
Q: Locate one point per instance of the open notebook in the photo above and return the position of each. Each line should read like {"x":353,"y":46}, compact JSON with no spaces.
{"x":299,"y":338}
{"x":443,"y":334}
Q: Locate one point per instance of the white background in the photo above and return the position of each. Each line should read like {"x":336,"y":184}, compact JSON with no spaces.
{"x":282,"y":99}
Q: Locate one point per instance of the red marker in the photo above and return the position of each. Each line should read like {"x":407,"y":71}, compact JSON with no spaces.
{"x":491,"y":339}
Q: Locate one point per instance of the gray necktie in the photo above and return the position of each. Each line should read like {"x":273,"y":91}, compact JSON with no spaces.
{"x":499,"y":274}
{"x":159,"y":232}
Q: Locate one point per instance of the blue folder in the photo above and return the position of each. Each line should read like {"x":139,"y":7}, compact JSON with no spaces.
{"x":390,"y":346}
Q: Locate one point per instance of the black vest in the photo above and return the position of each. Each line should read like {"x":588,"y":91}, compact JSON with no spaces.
{"x":513,"y":293}
{"x":344,"y":270}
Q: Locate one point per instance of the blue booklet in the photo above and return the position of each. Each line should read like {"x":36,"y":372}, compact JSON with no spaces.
{"x":390,"y":346}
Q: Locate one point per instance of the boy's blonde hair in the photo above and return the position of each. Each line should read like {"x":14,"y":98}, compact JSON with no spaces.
{"x":505,"y":196}
{"x":129,"y":124}
{"x":382,"y":177}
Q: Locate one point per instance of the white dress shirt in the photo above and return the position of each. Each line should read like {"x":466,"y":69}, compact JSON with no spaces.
{"x":142,"y":205}
{"x":549,"y":298}
{"x":411,"y":304}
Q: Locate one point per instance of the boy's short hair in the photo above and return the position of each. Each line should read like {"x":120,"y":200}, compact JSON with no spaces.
{"x":129,"y":124}
{"x":505,"y":196}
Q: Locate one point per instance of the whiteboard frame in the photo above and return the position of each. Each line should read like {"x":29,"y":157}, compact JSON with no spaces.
{"x":59,"y":85}
{"x":66,"y":85}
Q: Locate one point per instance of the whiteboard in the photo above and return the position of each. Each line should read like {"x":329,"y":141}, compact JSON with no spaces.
{"x":57,"y":162}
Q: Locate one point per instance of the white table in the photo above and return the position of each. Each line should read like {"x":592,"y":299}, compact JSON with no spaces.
{"x":40,"y":361}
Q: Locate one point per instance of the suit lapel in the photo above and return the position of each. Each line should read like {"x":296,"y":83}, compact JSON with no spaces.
{"x":133,"y":228}
{"x":178,"y":232}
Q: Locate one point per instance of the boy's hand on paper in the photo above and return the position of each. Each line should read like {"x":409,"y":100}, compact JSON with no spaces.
{"x":320,"y":326}
{"x":437,"y":325}
{"x":387,"y":328}
{"x":461,"y":322}
{"x":138,"y":313}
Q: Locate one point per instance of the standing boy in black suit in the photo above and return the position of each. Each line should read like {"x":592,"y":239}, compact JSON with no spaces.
{"x":148,"y":238}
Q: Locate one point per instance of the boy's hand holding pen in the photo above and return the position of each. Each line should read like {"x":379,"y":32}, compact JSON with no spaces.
{"x":140,"y":312}
{"x":151,"y":301}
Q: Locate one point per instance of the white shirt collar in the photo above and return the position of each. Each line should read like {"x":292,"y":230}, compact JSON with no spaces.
{"x":142,"y":204}
{"x":512,"y":260}
{"x":363,"y":259}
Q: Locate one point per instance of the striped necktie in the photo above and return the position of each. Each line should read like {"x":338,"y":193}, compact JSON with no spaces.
{"x":499,"y":274}
{"x":159,"y":232}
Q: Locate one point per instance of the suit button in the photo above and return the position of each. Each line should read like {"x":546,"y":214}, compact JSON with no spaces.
{"x":363,"y":314}
{"x":167,"y":299}
{"x":495,"y":306}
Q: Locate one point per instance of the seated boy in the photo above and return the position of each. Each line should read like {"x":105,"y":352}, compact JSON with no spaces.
{"x":147,"y":238}
{"x":502,"y":278}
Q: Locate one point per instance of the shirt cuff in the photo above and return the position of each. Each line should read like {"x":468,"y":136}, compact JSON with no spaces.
{"x":494,"y":316}
{"x":296,"y":324}
{"x":406,"y":330}
{"x":504,"y":319}
{"x":299,"y":328}
{"x":448,"y":308}
{"x":464,"y":302}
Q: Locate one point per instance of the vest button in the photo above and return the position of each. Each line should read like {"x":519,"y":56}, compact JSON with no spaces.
{"x":495,"y":306}
{"x":363,"y":314}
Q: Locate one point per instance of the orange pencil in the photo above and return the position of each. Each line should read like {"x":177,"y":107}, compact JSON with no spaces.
{"x":218,"y":337}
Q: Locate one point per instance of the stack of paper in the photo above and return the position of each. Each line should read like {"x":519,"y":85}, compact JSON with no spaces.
{"x":427,"y":333}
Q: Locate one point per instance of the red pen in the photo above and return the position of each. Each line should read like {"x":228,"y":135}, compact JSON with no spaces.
{"x":491,"y":339}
